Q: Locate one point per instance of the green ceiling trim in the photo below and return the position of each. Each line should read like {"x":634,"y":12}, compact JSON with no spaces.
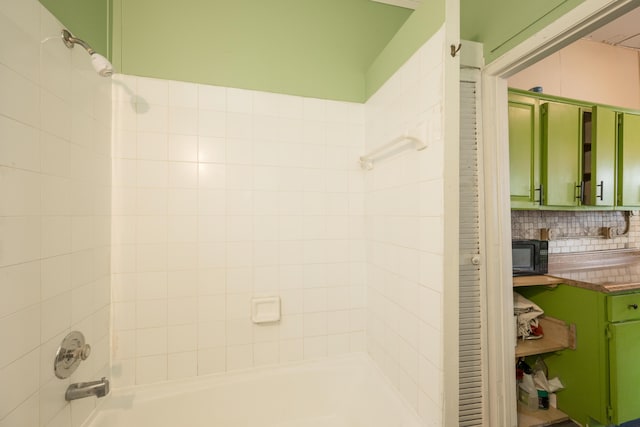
{"x":423,"y":23}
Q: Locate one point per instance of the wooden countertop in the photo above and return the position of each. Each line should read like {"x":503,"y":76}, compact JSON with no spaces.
{"x":601,"y":271}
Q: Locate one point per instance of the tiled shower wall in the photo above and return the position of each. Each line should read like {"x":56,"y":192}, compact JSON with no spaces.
{"x":404,"y":225}
{"x":221,"y":195}
{"x":579,"y":231}
{"x":55,"y":178}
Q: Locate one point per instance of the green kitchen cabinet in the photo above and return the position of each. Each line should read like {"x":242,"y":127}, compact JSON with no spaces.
{"x":599,"y":135}
{"x":602,"y":374}
{"x":629,"y":160}
{"x":524,"y":152}
{"x":561,"y":169}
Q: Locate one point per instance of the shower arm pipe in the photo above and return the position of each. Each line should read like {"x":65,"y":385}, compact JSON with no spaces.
{"x":366,"y":161}
{"x":70,"y":41}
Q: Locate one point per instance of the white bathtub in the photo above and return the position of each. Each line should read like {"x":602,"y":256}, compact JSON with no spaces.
{"x":344,"y":392}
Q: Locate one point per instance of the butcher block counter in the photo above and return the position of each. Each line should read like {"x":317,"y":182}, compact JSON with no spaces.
{"x":610,"y":271}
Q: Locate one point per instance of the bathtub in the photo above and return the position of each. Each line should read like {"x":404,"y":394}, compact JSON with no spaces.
{"x":348,"y":391}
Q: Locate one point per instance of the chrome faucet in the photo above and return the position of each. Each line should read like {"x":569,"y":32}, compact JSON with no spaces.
{"x":93,"y":388}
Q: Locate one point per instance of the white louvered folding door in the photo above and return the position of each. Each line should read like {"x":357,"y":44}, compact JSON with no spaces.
{"x":472,"y":350}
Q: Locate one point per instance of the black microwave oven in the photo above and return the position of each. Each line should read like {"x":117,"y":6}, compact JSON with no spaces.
{"x":529,"y":257}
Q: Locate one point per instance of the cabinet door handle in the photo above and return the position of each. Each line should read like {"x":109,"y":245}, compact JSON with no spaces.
{"x":580,"y":188}
{"x":633,"y":306}
{"x":601,"y":185}
{"x":540,"y":201}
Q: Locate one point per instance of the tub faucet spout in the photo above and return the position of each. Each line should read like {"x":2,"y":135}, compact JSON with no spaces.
{"x":98,"y":388}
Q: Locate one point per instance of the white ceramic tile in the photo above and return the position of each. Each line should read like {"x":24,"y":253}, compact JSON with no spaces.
{"x":183,"y":283}
{"x":211,"y":123}
{"x":21,"y":147}
{"x":152,"y":146}
{"x":315,"y":347}
{"x":315,"y":324}
{"x":22,"y":330}
{"x":315,"y":300}
{"x":239,"y":332}
{"x":23,"y":374}
{"x":152,"y":341}
{"x":153,"y":91}
{"x":212,"y":335}
{"x":149,"y":201}
{"x":124,"y":344}
{"x":266,"y":353}
{"x":151,"y":314}
{"x":182,"y":201}
{"x":183,"y":94}
{"x":182,"y":365}
{"x":151,"y":257}
{"x":150,"y":285}
{"x":212,"y":360}
{"x":211,"y":149}
{"x":239,"y":126}
{"x":338,"y":344}
{"x":19,"y":287}
{"x":211,"y":176}
{"x":265,"y":253}
{"x":183,"y":121}
{"x":239,"y":100}
{"x":239,"y":357}
{"x":212,"y":97}
{"x":152,"y":174}
{"x":338,"y":322}
{"x":212,"y":308}
{"x":291,"y":350}
{"x":25,"y":414}
{"x":151,"y":369}
{"x":183,"y":148}
{"x":182,"y":338}
{"x":21,"y":98}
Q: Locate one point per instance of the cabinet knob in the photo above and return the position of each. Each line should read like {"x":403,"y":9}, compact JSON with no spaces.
{"x":633,"y":306}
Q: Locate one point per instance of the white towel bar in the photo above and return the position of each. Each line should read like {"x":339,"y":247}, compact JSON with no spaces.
{"x":366,"y":161}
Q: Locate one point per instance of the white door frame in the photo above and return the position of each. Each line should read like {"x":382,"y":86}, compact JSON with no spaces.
{"x":580,"y":21}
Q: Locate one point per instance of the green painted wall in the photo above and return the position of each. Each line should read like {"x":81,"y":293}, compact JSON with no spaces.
{"x":419,"y":28}
{"x":319,"y":48}
{"x":501,"y":24}
{"x":86,"y":19}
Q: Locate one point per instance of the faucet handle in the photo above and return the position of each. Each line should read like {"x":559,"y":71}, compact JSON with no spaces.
{"x":71,"y":352}
{"x":84,"y":352}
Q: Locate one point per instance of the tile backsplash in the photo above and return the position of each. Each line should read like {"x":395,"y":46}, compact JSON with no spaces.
{"x":579,"y":231}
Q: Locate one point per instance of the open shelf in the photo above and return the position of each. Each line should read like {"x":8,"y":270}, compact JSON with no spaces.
{"x":537,"y":281}
{"x":540,"y":417}
{"x":558,"y":335}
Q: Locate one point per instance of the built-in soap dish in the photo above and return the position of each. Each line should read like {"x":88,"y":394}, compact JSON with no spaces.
{"x":265,"y":309}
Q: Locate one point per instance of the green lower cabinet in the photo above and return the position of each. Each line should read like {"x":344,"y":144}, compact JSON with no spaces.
{"x":624,"y":368}
{"x":584,"y":371}
{"x":602,"y":376}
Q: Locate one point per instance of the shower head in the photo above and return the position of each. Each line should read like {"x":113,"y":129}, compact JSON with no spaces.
{"x":99,"y":62}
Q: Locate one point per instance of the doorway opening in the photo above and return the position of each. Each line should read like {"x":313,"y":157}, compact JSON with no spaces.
{"x":579,"y":22}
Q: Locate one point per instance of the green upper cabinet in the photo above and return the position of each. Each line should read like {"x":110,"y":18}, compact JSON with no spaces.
{"x":524,"y":151}
{"x":561,"y":172}
{"x":599,"y":156}
{"x":629,"y":160}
